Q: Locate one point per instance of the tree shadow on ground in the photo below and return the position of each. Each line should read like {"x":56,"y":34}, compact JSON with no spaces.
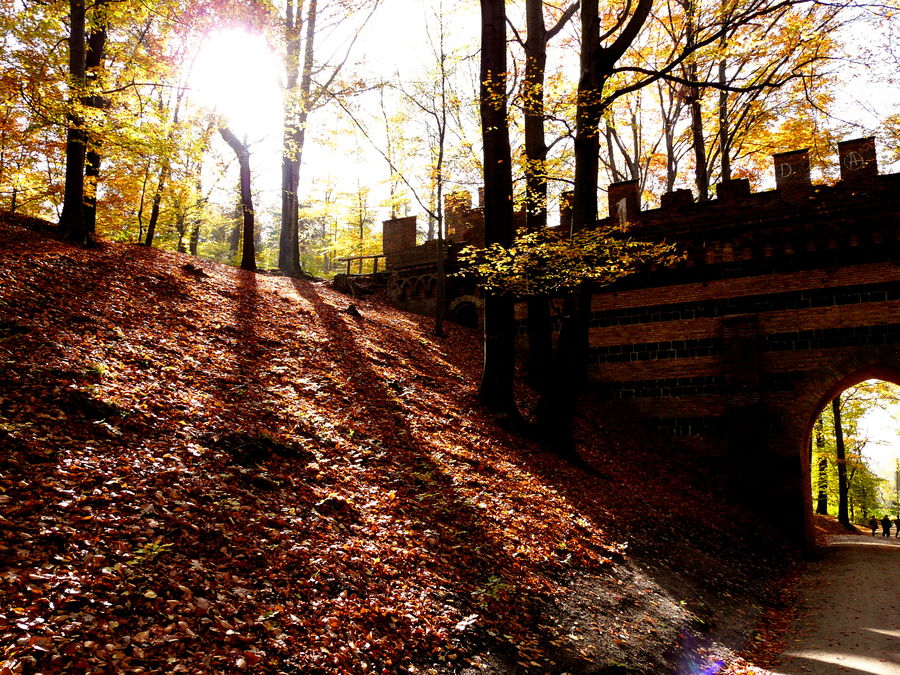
{"x":478,"y":575}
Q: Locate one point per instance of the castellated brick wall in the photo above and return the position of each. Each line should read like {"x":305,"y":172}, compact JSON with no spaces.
{"x":784,"y":298}
{"x":775,"y":286}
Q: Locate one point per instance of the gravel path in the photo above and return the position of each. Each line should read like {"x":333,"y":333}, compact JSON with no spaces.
{"x":849,"y":619}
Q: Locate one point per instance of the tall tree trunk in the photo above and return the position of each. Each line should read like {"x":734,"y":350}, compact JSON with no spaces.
{"x":195,"y":237}
{"x":181,"y":229}
{"x":72,"y":222}
{"x":154,"y":209}
{"x":248,"y":257}
{"x":540,"y":343}
{"x":496,"y":390}
{"x":533,"y":104}
{"x":296,"y":113}
{"x":724,"y":132}
{"x":96,"y":44}
{"x":701,"y":167}
{"x":441,"y":251}
{"x":588,"y":115}
{"x":843,"y":515}
{"x":701,"y":172}
{"x":557,"y":408}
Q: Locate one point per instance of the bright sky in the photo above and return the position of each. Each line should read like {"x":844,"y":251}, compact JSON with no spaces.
{"x":883,"y":449}
{"x":239,"y":76}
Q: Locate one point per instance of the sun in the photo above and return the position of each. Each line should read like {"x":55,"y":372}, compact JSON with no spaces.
{"x":236,"y":74}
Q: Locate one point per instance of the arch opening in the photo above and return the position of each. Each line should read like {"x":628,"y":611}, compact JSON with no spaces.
{"x":854,"y":450}
{"x":466,"y":314}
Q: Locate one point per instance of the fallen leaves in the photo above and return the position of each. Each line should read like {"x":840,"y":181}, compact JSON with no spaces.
{"x":209,"y":471}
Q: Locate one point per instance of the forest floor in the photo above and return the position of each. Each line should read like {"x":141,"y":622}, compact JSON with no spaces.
{"x":206,"y":470}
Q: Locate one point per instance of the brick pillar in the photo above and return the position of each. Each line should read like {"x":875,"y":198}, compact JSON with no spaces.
{"x":678,"y":199}
{"x":624,"y":201}
{"x":733,"y":190}
{"x":398,"y":235}
{"x":792,"y":170}
{"x":858,"y":160}
{"x":456,"y":204}
{"x":746,"y":421}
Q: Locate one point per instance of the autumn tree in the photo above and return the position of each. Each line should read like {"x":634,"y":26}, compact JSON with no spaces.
{"x":301,"y":27}
{"x":496,"y":390}
{"x":72,"y":222}
{"x":841,"y":457}
{"x":839,"y":450}
{"x":242,"y":151}
{"x":538,"y":36}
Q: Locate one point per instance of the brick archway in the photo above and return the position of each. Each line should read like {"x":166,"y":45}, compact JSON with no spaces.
{"x":798,"y":412}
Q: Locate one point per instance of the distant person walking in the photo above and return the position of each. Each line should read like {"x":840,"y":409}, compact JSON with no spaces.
{"x":873,"y":525}
{"x":897,"y":523}
{"x":886,"y":526}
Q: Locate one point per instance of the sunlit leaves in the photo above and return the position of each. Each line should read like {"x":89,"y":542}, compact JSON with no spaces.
{"x":548,"y":262}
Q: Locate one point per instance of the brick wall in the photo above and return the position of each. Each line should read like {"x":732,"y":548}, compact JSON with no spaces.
{"x":783,"y":298}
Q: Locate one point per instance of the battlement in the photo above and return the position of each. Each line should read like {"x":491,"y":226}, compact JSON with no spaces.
{"x":737,"y":210}
{"x":806,"y":215}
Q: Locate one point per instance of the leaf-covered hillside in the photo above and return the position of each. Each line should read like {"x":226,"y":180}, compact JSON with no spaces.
{"x":204,"y":470}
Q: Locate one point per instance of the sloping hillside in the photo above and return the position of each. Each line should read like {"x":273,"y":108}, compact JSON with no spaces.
{"x":206,"y":470}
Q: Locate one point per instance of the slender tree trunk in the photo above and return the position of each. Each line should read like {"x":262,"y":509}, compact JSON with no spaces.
{"x":701,"y":167}
{"x":724,"y":133}
{"x":296,"y":113}
{"x":540,"y":344}
{"x":96,"y":44}
{"x":701,"y":171}
{"x":248,"y":257}
{"x":72,"y":220}
{"x":441,"y":290}
{"x":843,"y":515}
{"x":181,"y":228}
{"x":441,"y":120}
{"x":154,"y":209}
{"x":200,"y":204}
{"x":496,"y":390}
{"x":195,"y":237}
{"x":822,"y":500}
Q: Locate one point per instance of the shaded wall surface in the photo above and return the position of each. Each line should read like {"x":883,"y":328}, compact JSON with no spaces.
{"x":784,"y":298}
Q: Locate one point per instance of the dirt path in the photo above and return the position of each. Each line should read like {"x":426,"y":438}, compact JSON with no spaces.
{"x":849,"y":619}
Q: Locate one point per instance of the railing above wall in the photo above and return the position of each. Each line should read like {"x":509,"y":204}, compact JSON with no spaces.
{"x":360,"y":259}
